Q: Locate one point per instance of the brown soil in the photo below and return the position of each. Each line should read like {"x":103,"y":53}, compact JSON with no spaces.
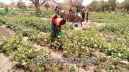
{"x":6,"y":64}
{"x":45,"y":18}
{"x":85,"y":24}
{"x":24,"y":13}
{"x":4,"y":31}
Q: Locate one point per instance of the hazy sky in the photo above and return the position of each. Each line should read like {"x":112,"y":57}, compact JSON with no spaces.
{"x":85,"y":2}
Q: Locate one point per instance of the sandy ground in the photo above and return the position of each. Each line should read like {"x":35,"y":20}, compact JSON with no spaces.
{"x":4,"y":31}
{"x":6,"y":64}
{"x":45,"y":18}
{"x":85,"y":24}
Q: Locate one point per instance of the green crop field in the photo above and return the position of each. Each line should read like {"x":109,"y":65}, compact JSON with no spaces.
{"x":110,"y":39}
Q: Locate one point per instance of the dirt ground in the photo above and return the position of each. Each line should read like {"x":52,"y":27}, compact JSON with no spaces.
{"x":45,"y":18}
{"x":86,"y":24}
{"x":6,"y":64}
{"x":4,"y":31}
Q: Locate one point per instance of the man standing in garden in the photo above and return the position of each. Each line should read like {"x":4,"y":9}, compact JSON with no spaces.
{"x":56,"y":24}
{"x":6,"y":9}
{"x":87,"y":16}
{"x":83,"y":16}
{"x":70,"y":10}
{"x":77,"y":11}
{"x":56,"y":9}
{"x":59,"y":10}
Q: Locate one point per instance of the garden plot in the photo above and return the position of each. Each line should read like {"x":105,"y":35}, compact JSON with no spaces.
{"x":74,"y":44}
{"x":59,"y":54}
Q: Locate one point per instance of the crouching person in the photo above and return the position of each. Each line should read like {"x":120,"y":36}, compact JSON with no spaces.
{"x":56,"y":24}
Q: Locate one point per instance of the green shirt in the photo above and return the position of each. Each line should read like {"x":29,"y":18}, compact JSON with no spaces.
{"x":78,"y":10}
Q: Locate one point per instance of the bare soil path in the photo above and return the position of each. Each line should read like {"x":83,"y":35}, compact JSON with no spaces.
{"x":4,"y":31}
{"x":87,"y":24}
{"x":45,"y":18}
{"x":6,"y":64}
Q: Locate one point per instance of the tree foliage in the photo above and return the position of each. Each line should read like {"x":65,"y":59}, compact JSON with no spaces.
{"x":30,"y":6}
{"x":75,"y":3}
{"x":112,"y":4}
{"x":125,"y":4}
{"x":21,"y":5}
{"x":105,"y":5}
{"x":2,"y":5}
{"x":102,"y":5}
{"x":47,"y":5}
{"x":39,"y":3}
{"x":94,"y":6}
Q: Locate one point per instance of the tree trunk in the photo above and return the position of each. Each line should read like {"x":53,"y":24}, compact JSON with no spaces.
{"x":37,"y":9}
{"x":127,"y":9}
{"x":103,"y":9}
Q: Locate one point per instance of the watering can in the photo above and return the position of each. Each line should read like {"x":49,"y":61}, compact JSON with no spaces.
{"x":60,"y":32}
{"x":75,"y":25}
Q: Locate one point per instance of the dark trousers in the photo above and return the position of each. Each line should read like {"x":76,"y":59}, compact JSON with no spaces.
{"x":86,"y":19}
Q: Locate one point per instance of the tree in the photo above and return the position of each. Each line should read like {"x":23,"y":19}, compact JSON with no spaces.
{"x":112,"y":3}
{"x":12,"y":4}
{"x":125,"y":4}
{"x":22,"y":5}
{"x":52,"y":6}
{"x":66,"y":7}
{"x":2,"y":5}
{"x":39,"y":3}
{"x":30,"y":6}
{"x":105,"y":5}
{"x":75,"y":3}
{"x":94,"y":5}
{"x":59,"y":4}
{"x":46,"y":5}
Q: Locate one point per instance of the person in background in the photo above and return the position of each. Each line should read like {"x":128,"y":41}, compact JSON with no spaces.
{"x":57,"y":13}
{"x":70,"y":10}
{"x":61,"y":13}
{"x":87,"y":16}
{"x":6,"y":9}
{"x":73,"y":11}
{"x":61,"y":8}
{"x":83,"y":8}
{"x":83,"y":16}
{"x":56,"y":9}
{"x":77,"y":11}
